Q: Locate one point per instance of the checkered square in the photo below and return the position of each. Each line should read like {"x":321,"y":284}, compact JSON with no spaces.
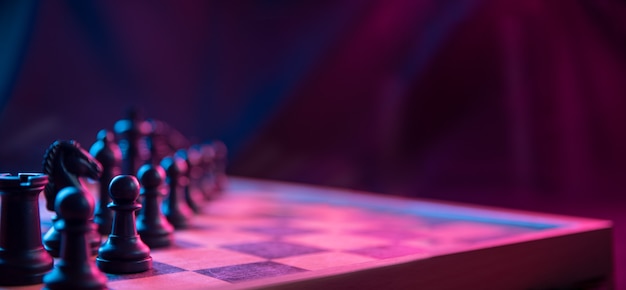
{"x":278,"y":231}
{"x":179,"y":280}
{"x":273,"y":249}
{"x":324,"y":260}
{"x":203,"y":258}
{"x":338,"y":241}
{"x":245,"y":272}
{"x":157,"y":269}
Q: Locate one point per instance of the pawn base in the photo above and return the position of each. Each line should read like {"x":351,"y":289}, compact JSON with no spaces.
{"x":157,"y":241}
{"x":177,"y":219}
{"x":62,"y":277}
{"x":124,"y":267}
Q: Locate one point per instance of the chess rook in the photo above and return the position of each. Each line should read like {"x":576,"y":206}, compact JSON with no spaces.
{"x":176,"y":212}
{"x":124,"y":252}
{"x":23,"y":260}
{"x":108,"y":153}
{"x":152,"y":226}
{"x":75,"y":269}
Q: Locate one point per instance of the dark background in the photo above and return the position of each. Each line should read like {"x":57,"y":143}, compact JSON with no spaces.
{"x":511,"y":103}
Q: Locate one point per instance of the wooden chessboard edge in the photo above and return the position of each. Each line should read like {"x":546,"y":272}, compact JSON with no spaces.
{"x":535,"y":264}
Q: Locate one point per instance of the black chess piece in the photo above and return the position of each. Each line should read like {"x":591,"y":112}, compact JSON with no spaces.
{"x":152,"y":226}
{"x":65,"y":162}
{"x":23,"y":260}
{"x":158,"y":141}
{"x":176,"y":212}
{"x":189,"y":191}
{"x":196,"y":170}
{"x":75,"y":269}
{"x":221,"y":161}
{"x":207,"y":167}
{"x":108,"y":153}
{"x":131,"y":134}
{"x":163,"y":140}
{"x":124,"y":252}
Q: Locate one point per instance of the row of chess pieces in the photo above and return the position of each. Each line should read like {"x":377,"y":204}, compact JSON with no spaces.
{"x":141,"y":202}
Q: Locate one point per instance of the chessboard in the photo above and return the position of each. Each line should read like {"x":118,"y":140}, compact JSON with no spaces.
{"x":274,"y":235}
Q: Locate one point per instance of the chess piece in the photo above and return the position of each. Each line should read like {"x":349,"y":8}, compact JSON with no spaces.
{"x":207,"y":166}
{"x":176,"y":212}
{"x":164,"y":140}
{"x":196,"y":170}
{"x":131,"y":134}
{"x":158,"y":141}
{"x":23,"y":260}
{"x":108,"y":153}
{"x":124,"y":252}
{"x":152,"y":226}
{"x":189,"y":191}
{"x":65,"y":162}
{"x":75,"y":269}
{"x":221,"y":161}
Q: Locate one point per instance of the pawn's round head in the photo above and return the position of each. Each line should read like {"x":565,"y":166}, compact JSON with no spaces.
{"x":151,"y":176}
{"x":174,"y":166}
{"x":105,"y":135}
{"x":73,"y":203}
{"x":124,"y":189}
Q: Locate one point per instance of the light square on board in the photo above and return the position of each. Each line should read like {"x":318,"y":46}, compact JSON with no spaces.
{"x":390,"y":251}
{"x":273,"y":249}
{"x":391,"y":233}
{"x":469,"y":232}
{"x":338,"y":241}
{"x":157,"y":269}
{"x":278,"y":231}
{"x":215,"y":239}
{"x":235,"y":205}
{"x":332,"y":226}
{"x":324,"y":260}
{"x":229,"y":222}
{"x":432,"y":245}
{"x":182,"y":280}
{"x":194,"y":259}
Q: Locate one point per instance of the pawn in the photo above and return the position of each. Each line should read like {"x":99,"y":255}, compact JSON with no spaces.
{"x":124,"y":252}
{"x":204,"y":171}
{"x":195,"y":171}
{"x":152,"y":226}
{"x":176,"y":212}
{"x":108,"y":153}
{"x":75,"y":269}
{"x":188,"y":189}
{"x":221,"y":161}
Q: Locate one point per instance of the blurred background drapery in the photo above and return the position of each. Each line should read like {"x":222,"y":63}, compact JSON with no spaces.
{"x":476,"y":100}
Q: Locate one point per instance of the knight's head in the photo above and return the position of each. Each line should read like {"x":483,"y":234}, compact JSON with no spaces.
{"x":79,"y":161}
{"x":65,"y":161}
